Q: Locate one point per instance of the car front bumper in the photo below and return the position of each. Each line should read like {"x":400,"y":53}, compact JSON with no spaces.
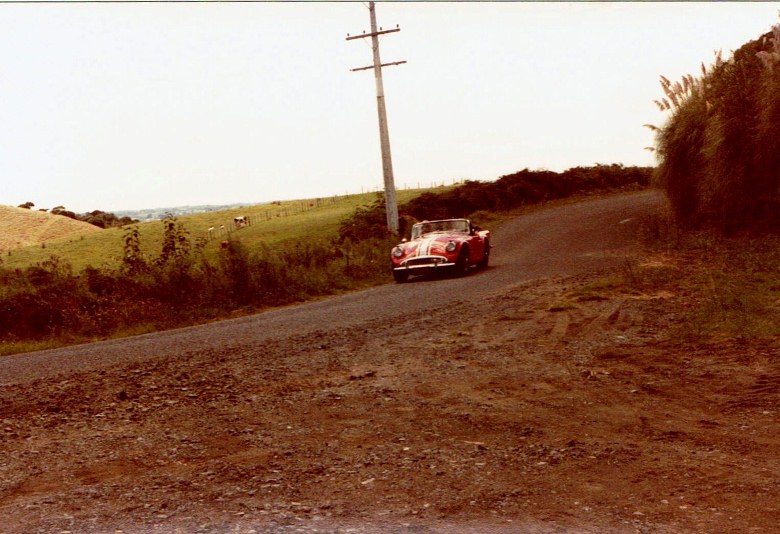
{"x":424,"y":263}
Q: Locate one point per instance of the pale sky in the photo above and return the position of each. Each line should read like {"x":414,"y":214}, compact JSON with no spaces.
{"x":142,"y":105}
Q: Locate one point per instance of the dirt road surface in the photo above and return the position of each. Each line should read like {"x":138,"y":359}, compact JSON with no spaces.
{"x":490,"y":403}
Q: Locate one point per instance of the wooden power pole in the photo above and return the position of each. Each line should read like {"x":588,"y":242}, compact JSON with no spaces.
{"x":391,"y":203}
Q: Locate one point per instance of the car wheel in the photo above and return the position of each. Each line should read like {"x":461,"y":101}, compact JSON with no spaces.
{"x":400,"y":276}
{"x":486,"y":257}
{"x":462,"y":265}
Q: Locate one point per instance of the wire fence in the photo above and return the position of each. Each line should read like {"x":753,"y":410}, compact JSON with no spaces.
{"x":277,"y":210}
{"x":274,"y":211}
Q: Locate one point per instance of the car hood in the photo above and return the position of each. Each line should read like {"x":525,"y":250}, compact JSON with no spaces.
{"x":431,"y":245}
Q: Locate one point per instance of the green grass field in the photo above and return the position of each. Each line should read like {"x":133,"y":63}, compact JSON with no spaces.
{"x":313,"y":219}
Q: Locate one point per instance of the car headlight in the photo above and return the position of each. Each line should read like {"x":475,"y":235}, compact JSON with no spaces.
{"x":398,"y":251}
{"x":451,"y":246}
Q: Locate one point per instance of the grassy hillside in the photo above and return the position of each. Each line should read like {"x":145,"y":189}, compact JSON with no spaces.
{"x":21,"y":227}
{"x":270,"y":223}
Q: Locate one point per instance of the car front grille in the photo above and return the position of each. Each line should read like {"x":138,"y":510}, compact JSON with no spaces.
{"x":425,"y":261}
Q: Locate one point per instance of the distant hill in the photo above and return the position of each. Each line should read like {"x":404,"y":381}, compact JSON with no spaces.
{"x":20,"y":227}
{"x":153,"y":214}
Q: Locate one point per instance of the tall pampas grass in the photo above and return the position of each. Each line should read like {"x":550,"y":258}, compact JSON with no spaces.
{"x":719,"y":150}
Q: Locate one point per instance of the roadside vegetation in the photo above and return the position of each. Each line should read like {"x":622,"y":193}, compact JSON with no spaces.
{"x":166,"y":275}
{"x":719,"y":164}
{"x":483,"y":201}
{"x":730,"y":285}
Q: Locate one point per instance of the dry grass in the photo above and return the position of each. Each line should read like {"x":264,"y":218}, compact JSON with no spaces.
{"x":21,"y":227}
{"x":730,"y":286}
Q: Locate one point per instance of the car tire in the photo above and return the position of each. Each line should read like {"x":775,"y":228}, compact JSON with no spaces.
{"x":462,"y":264}
{"x":400,"y":276}
{"x":483,"y":263}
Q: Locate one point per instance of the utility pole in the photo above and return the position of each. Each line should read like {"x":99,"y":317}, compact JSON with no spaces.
{"x":391,"y":204}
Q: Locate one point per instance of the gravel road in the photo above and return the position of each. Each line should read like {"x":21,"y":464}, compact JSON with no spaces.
{"x":566,"y":240}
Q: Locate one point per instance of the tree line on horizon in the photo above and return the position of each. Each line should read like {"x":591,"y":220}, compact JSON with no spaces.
{"x":97,"y":218}
{"x":508,"y":192}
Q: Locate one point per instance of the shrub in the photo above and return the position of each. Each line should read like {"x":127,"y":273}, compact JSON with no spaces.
{"x":507,"y":193}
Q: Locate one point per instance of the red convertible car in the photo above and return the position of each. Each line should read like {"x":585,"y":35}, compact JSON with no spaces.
{"x":451,"y":244}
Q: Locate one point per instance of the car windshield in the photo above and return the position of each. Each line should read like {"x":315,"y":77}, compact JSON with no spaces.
{"x":428,"y":227}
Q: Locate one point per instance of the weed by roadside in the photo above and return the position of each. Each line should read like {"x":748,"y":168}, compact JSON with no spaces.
{"x":736,"y":284}
{"x":48,"y":304}
{"x":730,"y":285}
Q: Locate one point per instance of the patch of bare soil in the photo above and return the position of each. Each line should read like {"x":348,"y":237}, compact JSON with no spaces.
{"x":514,"y":414}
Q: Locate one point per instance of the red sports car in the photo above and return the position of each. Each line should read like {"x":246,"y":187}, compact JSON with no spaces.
{"x":451,"y":244}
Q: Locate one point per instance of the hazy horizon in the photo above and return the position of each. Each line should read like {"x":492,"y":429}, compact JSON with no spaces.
{"x":123,"y":107}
